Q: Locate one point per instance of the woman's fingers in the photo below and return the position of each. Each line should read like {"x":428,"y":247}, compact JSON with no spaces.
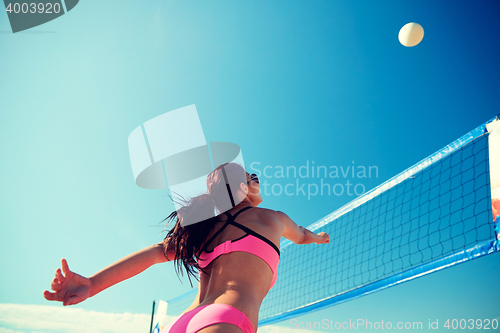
{"x":51,"y":296}
{"x":59,"y":275}
{"x":65,"y":267}
{"x":326,"y":237}
{"x":55,"y":285}
{"x":48,"y":295}
{"x":58,"y":280}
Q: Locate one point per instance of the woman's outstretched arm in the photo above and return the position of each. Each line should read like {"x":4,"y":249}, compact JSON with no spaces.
{"x":72,"y":288}
{"x":299,"y":234}
{"x":127,"y":267}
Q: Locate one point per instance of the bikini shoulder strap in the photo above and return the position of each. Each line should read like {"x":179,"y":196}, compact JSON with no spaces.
{"x":229,"y":218}
{"x":239,"y":212}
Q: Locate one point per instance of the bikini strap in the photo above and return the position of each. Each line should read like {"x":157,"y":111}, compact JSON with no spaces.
{"x":253,"y":233}
{"x":204,"y":249}
{"x":230,"y":220}
{"x":239,"y":212}
{"x":250,"y":231}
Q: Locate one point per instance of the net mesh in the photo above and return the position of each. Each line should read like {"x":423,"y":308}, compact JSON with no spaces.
{"x":442,"y":210}
{"x":436,"y":215}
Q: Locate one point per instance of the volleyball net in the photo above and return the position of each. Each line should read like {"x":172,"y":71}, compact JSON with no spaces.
{"x":434,"y":215}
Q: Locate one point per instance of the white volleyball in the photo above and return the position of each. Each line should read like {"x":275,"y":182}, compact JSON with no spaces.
{"x":411,"y":34}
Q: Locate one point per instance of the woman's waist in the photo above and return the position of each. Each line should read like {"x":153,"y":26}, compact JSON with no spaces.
{"x":232,"y":293}
{"x":230,"y":285}
{"x":238,"y":293}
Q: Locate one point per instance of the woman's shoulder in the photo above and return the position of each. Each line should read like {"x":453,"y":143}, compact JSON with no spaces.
{"x":266,"y":211}
{"x":271,"y":218}
{"x":274,"y":213}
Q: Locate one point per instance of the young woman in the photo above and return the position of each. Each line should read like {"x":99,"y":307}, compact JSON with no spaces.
{"x":236,"y":254}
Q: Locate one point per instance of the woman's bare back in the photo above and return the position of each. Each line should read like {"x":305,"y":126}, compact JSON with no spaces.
{"x":240,"y":279}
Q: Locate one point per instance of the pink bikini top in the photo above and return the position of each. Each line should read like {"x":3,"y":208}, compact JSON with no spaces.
{"x":251,"y":242}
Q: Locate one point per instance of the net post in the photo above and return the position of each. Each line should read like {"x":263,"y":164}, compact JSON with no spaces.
{"x":152,"y":316}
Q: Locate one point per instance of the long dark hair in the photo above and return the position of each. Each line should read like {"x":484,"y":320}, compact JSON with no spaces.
{"x":188,"y":238}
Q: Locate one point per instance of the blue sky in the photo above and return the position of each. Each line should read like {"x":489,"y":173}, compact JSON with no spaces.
{"x":288,"y":81}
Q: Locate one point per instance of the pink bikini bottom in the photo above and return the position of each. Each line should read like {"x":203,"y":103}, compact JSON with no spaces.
{"x":207,"y":315}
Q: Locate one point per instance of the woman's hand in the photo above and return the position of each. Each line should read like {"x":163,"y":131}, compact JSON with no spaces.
{"x":324,"y":238}
{"x":69,"y":288}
